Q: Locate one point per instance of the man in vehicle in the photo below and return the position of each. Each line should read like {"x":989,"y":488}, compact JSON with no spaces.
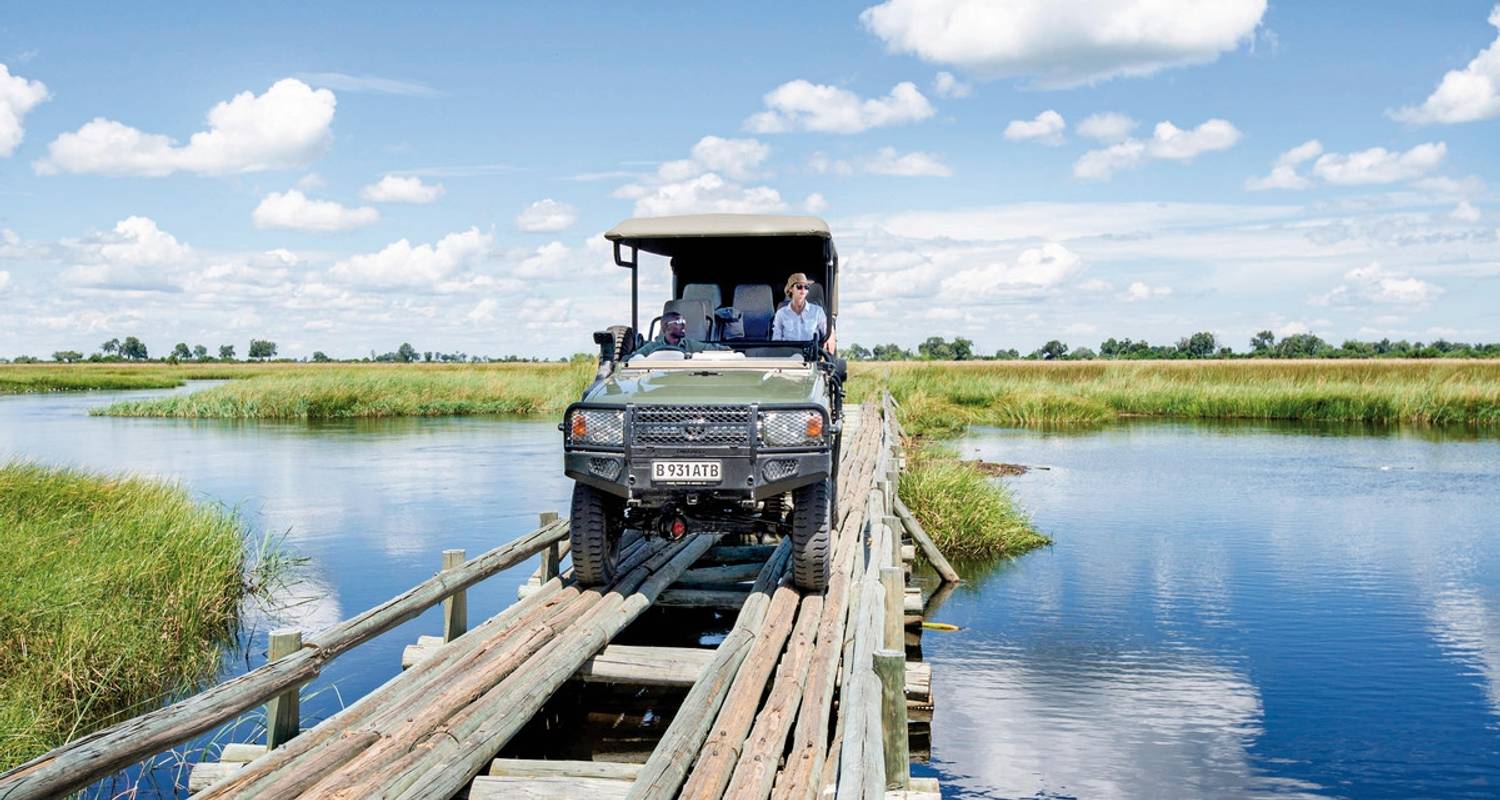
{"x":674,"y":337}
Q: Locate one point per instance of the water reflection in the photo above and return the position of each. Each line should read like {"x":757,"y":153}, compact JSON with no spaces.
{"x":1232,"y":610}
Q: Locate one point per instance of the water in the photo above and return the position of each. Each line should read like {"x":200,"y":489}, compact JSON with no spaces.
{"x":1232,"y":611}
{"x":1229,"y":610}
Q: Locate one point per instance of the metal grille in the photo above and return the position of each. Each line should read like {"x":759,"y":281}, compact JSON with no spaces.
{"x":692,"y":426}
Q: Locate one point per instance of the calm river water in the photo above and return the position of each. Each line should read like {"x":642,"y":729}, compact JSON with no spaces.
{"x":1229,"y":610}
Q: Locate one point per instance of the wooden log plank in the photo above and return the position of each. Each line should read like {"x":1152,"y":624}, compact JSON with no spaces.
{"x":756,"y":769}
{"x":930,"y":550}
{"x":715,"y":763}
{"x":206,"y":773}
{"x":456,"y":605}
{"x":727,"y":573}
{"x":547,"y":788}
{"x":722,"y":599}
{"x":241,"y":753}
{"x":861,"y":770}
{"x":646,"y":666}
{"x":890,"y":667}
{"x":540,"y":768}
{"x":737,"y":554}
{"x":664,"y":770}
{"x":89,"y":758}
{"x":442,"y":765}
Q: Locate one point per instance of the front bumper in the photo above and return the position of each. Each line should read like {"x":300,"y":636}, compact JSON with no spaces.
{"x":743,"y":476}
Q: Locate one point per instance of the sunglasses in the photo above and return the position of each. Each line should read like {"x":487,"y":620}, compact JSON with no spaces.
{"x":802,"y":286}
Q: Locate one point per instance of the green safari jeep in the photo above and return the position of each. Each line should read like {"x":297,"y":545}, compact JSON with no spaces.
{"x":730,"y":431}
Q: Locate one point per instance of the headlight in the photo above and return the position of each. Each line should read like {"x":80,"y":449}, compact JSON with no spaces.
{"x":794,"y":428}
{"x":596,"y":426}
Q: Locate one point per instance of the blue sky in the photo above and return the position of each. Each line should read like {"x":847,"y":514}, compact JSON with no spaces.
{"x":341,"y":178}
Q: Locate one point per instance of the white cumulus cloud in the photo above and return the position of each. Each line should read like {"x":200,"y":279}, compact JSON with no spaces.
{"x":1464,"y":95}
{"x":547,"y":215}
{"x":739,"y":159}
{"x":401,"y":265}
{"x":1375,"y":284}
{"x":1465,"y":212}
{"x":692,"y":185}
{"x":17,"y":97}
{"x":914,"y":164}
{"x":1378,"y":165}
{"x":135,"y":255}
{"x":1284,"y":173}
{"x":803,"y":105}
{"x":1108,"y":127}
{"x":286,"y":127}
{"x":1064,"y":44}
{"x":401,"y":189}
{"x":946,"y":85}
{"x":293,"y":210}
{"x":815,"y":203}
{"x":1047,"y":128}
{"x":1138,"y":291}
{"x":1036,"y":269}
{"x":1168,"y":142}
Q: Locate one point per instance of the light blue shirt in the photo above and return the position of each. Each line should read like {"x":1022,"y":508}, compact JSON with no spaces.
{"x":811,"y":324}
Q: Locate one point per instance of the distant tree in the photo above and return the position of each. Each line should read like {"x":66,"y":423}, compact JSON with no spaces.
{"x":406,"y":353}
{"x":226,"y":352}
{"x":320,"y":357}
{"x":200,"y":352}
{"x":182,"y":351}
{"x":1199,"y":345}
{"x":857,"y":352}
{"x":25,"y":360}
{"x":427,"y":357}
{"x":133,"y":349}
{"x":890,"y":352}
{"x":1007,"y":355}
{"x":1262,"y":343}
{"x":963,"y":349}
{"x":111,"y":346}
{"x":1051,"y":351}
{"x":1301,"y":345}
{"x":936,"y":348}
{"x":67,"y":356}
{"x":1082,"y":354}
{"x":261,"y":348}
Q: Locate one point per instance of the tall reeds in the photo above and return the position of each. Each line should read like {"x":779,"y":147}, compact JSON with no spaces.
{"x":116,"y":591}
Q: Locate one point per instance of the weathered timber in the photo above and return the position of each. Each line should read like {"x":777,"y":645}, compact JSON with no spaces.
{"x":538,"y":768}
{"x":553,"y":553}
{"x":241,"y":753}
{"x":715,"y":763}
{"x":727,"y":573}
{"x":890,"y":666}
{"x":85,"y":760}
{"x":738,"y":553}
{"x":861,"y":771}
{"x":646,"y":666}
{"x":547,"y":788}
{"x":456,"y":605}
{"x":929,"y":549}
{"x":760,"y":756}
{"x":283,"y":712}
{"x":721,"y":599}
{"x":442,"y":765}
{"x":893,"y":584}
{"x":206,"y":773}
{"x":662,"y":774}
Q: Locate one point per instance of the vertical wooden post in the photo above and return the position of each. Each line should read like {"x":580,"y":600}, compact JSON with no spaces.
{"x":283,"y":714}
{"x":893,"y":580}
{"x":553,"y":553}
{"x":890,"y":665}
{"x":456,"y":605}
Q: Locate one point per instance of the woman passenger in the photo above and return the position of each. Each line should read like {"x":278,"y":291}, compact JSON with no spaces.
{"x":799,"y":320}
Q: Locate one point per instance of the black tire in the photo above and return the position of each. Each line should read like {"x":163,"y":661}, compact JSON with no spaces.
{"x":595,"y":530}
{"x":811,"y":518}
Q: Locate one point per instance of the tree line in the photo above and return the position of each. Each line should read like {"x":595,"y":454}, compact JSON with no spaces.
{"x":132,"y":349}
{"x":1203,"y":344}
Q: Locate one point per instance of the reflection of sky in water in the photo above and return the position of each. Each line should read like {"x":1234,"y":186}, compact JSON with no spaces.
{"x":370,"y":503}
{"x":1245,"y":610}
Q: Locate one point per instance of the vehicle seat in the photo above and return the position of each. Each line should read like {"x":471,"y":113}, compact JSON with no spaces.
{"x":707,"y":292}
{"x":695,"y":313}
{"x":729,"y":324}
{"x":755,"y":304}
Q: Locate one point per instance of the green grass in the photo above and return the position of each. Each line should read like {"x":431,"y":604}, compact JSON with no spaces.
{"x":969,"y":516}
{"x":334,"y":392}
{"x":117,"y":591}
{"x":944,"y":399}
{"x":26,"y":378}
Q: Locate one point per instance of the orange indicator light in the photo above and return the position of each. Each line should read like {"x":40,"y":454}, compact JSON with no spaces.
{"x":814,"y":426}
{"x":580,"y":426}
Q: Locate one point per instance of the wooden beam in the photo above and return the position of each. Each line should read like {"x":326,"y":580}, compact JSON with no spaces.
{"x":738,"y":553}
{"x":283,"y":715}
{"x":929,"y":550}
{"x":547,"y":788}
{"x":890,"y":666}
{"x":646,"y":666}
{"x":721,"y":599}
{"x":727,"y":573}
{"x":540,"y":768}
{"x":456,"y":605}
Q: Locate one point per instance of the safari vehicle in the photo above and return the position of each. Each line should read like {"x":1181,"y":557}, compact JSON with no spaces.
{"x":740,"y":440}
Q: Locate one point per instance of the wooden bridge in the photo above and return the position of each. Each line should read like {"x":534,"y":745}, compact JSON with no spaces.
{"x":807,"y":695}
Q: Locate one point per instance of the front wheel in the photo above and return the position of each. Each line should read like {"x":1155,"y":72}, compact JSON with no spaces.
{"x":595,"y":530}
{"x":811,"y":523}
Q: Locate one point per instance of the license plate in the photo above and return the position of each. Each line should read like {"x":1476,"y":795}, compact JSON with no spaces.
{"x":685,"y":471}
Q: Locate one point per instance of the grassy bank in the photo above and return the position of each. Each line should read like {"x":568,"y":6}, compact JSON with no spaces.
{"x":26,"y":378}
{"x":116,"y":591}
{"x":969,"y":516}
{"x":946,"y":398}
{"x":333,"y":392}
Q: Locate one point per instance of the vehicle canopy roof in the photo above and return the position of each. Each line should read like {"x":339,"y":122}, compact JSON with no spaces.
{"x":694,"y":233}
